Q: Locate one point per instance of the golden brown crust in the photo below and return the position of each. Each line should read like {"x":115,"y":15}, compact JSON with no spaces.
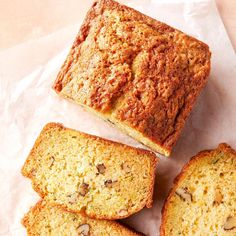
{"x":33,"y":156}
{"x":39,"y":206}
{"x":148,"y":83}
{"x":195,"y":159}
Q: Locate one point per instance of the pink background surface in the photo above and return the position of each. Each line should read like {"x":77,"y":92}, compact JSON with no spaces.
{"x":22,"y":20}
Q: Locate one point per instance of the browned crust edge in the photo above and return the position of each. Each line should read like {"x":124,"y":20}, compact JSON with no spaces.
{"x":41,"y":204}
{"x":221,"y":147}
{"x":152,"y":156}
{"x":97,"y":9}
{"x":81,"y":36}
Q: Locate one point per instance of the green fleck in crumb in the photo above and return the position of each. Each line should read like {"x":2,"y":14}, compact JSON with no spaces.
{"x":215,"y":161}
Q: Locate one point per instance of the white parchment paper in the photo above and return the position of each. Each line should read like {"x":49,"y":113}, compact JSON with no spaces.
{"x":27,"y":103}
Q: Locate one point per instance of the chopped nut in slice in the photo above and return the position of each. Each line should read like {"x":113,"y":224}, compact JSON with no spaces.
{"x":123,"y":212}
{"x":125,"y":166}
{"x":230,"y":223}
{"x":218,"y":197}
{"x":84,"y":229}
{"x":101,"y":168}
{"x":108,"y":183}
{"x":83,"y":189}
{"x":184,"y":194}
{"x":33,"y":172}
{"x":73,"y":198}
{"x":52,"y":159}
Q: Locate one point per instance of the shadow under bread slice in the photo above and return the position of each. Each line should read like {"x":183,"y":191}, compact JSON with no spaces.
{"x":203,"y":198}
{"x":85,"y":173}
{"x":45,"y":219}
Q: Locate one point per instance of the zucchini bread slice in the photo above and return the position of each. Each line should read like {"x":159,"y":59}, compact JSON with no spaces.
{"x":136,"y":72}
{"x":44,"y":219}
{"x":203,"y":199}
{"x":85,"y":173}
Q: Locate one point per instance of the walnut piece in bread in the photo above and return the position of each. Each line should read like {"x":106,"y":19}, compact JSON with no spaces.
{"x":211,"y":179}
{"x":45,"y":219}
{"x":87,"y":174}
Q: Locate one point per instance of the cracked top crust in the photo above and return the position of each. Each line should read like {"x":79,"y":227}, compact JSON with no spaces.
{"x":136,"y":71}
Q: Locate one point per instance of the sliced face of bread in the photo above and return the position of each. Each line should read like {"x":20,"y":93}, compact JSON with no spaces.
{"x":45,"y":219}
{"x":203,"y":199}
{"x":85,"y":173}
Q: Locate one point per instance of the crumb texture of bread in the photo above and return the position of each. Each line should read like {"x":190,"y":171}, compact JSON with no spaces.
{"x":85,"y":173}
{"x":142,"y":75}
{"x":203,"y":199}
{"x":46,"y":220}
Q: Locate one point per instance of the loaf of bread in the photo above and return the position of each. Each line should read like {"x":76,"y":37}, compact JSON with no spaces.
{"x":135,"y":72}
{"x":44,"y":220}
{"x":203,"y":199}
{"x":85,"y":173}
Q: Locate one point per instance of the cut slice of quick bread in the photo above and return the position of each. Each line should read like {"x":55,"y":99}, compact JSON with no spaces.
{"x":203,"y":199}
{"x":44,"y":219}
{"x":135,"y":72}
{"x":85,"y":173}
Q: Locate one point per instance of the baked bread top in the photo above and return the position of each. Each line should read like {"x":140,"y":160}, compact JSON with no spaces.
{"x":203,"y":199}
{"x":44,"y":219}
{"x":142,"y":75}
{"x":85,"y":173}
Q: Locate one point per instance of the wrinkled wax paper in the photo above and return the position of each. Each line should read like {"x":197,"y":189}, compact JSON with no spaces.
{"x":27,"y":103}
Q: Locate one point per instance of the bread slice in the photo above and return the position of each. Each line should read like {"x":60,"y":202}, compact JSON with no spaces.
{"x":203,"y":199}
{"x":136,"y":72}
{"x":85,"y":173}
{"x":44,"y":219}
